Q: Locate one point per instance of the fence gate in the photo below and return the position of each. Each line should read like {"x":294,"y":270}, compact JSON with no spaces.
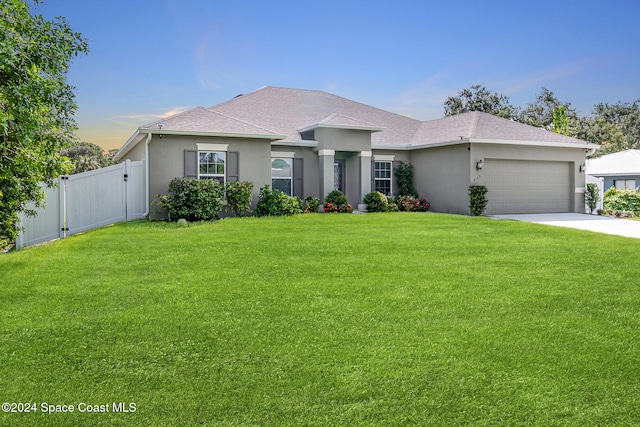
{"x":86,"y":201}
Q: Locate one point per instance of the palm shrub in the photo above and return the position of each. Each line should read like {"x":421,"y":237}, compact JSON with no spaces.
{"x":478,"y":199}
{"x":239,"y":195}
{"x":336,"y":201}
{"x":276,"y":203}
{"x":195,"y":199}
{"x":592,"y":197}
{"x":376,"y":202}
{"x":404,"y":177}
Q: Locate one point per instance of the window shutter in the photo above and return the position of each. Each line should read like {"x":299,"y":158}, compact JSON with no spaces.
{"x":394,"y":182}
{"x":298,"y":178}
{"x":233,"y":166}
{"x":190,"y":164}
{"x":373,"y":175}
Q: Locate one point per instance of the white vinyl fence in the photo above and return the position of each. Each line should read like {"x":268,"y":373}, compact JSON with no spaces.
{"x":86,"y":201}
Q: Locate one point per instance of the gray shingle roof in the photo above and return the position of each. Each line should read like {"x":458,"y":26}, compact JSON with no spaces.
{"x":283,"y":111}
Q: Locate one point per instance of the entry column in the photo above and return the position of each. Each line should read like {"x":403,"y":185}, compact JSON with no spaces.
{"x":365,"y":177}
{"x":326,"y":172}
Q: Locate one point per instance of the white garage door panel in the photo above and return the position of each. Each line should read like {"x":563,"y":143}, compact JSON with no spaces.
{"x":518,"y":186}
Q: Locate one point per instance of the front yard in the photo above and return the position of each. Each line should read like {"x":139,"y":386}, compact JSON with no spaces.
{"x":335,"y":319}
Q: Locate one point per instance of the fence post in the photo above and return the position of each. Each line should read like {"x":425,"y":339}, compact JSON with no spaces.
{"x":127,"y":172}
{"x":62,"y":185}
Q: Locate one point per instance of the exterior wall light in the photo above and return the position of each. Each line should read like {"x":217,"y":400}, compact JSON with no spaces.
{"x":480,"y":164}
{"x":583,"y":168}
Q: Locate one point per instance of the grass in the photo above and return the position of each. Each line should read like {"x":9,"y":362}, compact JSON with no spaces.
{"x":316,"y":320}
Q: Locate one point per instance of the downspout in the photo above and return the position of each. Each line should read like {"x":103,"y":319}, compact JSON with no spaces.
{"x":146,"y":173}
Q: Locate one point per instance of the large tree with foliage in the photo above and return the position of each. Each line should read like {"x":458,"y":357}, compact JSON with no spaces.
{"x":86,"y":156}
{"x":547,"y":111}
{"x":36,"y":106}
{"x":479,"y":98}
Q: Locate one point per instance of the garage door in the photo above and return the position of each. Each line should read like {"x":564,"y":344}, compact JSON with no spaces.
{"x":518,"y":186}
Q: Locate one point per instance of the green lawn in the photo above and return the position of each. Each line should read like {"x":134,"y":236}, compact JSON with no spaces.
{"x":318,"y":320}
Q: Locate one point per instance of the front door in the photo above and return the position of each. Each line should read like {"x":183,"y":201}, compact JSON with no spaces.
{"x":338,"y":175}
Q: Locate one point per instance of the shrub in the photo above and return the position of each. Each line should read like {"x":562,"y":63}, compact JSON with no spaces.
{"x":311,"y":204}
{"x":621,"y":200}
{"x":164,"y":202}
{"x":412,"y":204}
{"x":592,"y":197}
{"x":478,"y":199}
{"x":183,"y":222}
{"x":336,"y":201}
{"x":336,"y":197}
{"x":239,"y":194}
{"x":404,"y":177}
{"x":276,"y":203}
{"x":195,"y":199}
{"x":376,"y":202}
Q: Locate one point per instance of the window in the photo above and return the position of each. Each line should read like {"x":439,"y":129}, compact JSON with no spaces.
{"x":211,"y":165}
{"x":382,"y":177}
{"x":625,"y":183}
{"x":282,"y":175}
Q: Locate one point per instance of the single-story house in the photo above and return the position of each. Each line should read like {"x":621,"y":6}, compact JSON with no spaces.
{"x":309,"y":142}
{"x":619,"y":170}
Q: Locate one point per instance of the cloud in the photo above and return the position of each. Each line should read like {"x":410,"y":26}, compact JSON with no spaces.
{"x":141,"y":119}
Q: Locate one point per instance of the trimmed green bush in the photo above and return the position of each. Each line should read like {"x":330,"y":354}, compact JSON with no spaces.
{"x":195,"y":199}
{"x":376,"y":202}
{"x":478,"y":199}
{"x":239,"y":194}
{"x":621,"y":200}
{"x":276,"y":203}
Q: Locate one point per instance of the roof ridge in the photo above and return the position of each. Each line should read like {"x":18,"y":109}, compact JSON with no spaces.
{"x":240,"y":120}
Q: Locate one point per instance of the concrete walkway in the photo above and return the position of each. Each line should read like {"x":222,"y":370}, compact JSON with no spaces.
{"x":599,"y":224}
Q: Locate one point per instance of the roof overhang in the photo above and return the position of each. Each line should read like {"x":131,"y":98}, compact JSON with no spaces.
{"x":301,"y":143}
{"x":585,"y":146}
{"x":131,"y":142}
{"x":348,"y":127}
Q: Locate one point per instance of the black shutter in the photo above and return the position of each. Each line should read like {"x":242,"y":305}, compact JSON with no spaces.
{"x":190,"y":164}
{"x":233,"y":166}
{"x":373,"y":175}
{"x":298,"y":178}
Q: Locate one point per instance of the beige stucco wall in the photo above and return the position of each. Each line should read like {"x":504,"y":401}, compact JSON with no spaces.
{"x":166,"y":160}
{"x":574,"y":156}
{"x":343,"y":139}
{"x":441,"y":175}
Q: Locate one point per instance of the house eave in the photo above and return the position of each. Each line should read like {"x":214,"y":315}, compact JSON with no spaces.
{"x":271,"y":137}
{"x":586,"y":145}
{"x":301,"y":143}
{"x":127,"y":146}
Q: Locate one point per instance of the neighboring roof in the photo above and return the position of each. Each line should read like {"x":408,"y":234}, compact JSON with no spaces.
{"x":621,"y":163}
{"x":281,"y":114}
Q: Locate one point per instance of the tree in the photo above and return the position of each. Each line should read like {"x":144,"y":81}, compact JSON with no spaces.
{"x":561,"y":120}
{"x":36,"y":106}
{"x":86,"y":156}
{"x":478,"y":98}
{"x":540,"y":113}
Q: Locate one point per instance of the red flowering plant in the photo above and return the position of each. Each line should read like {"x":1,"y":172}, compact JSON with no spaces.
{"x":337,"y":202}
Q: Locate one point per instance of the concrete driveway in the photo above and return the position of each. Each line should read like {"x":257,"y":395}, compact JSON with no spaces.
{"x":599,"y":224}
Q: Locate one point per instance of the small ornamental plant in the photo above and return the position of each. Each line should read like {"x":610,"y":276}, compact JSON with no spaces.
{"x":333,"y":208}
{"x":376,"y":202}
{"x":412,"y":204}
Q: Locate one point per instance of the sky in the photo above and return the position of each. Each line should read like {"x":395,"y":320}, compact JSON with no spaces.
{"x":151,"y":59}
